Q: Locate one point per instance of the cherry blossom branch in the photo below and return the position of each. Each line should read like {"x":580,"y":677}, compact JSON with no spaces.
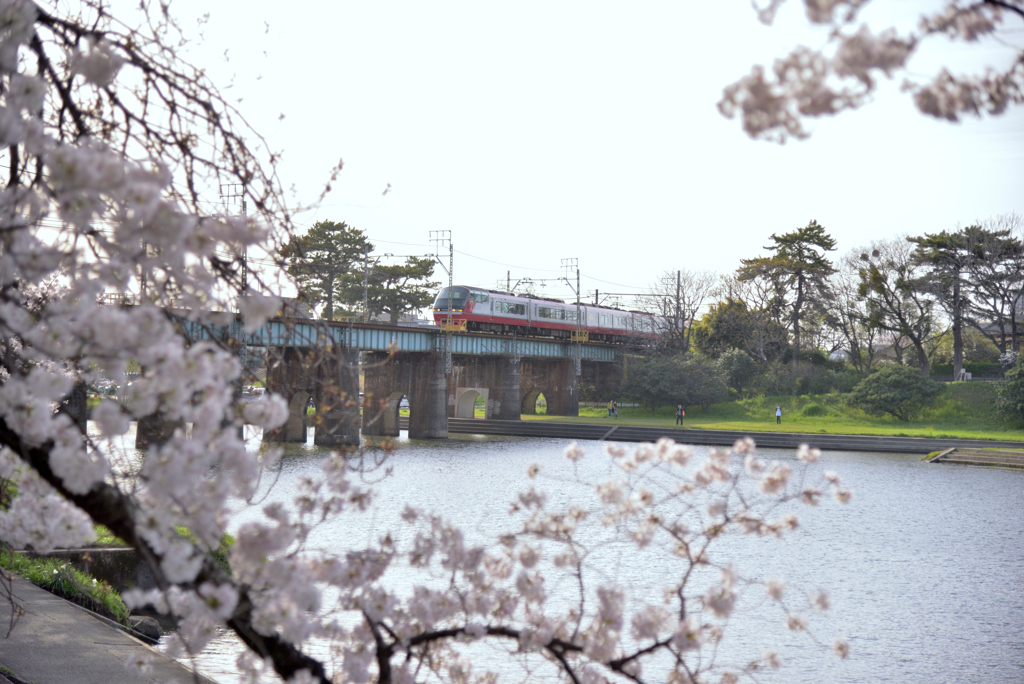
{"x":107,"y":506}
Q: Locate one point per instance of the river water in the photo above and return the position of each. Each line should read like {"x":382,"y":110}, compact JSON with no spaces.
{"x":925,"y":566}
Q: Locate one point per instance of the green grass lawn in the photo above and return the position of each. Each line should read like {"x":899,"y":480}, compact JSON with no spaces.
{"x":965,"y":410}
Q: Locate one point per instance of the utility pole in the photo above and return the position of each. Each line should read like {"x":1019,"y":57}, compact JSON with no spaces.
{"x":439,"y":238}
{"x":366,"y":283}
{"x":569,"y":265}
{"x":508,"y":280}
{"x":229,"y":191}
{"x":245,"y":254}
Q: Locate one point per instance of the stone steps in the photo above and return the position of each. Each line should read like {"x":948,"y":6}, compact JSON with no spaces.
{"x":989,"y":457}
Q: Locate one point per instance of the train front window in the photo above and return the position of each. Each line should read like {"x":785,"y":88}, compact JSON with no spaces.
{"x":457,"y":295}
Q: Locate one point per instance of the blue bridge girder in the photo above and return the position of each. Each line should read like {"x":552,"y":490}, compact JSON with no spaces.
{"x":281,"y":332}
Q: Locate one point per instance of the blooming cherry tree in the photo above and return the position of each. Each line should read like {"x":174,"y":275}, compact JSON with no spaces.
{"x":807,"y":83}
{"x":111,"y":145}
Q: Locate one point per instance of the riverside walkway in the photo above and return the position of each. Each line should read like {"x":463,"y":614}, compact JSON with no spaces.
{"x":773,"y":440}
{"x":56,"y":642}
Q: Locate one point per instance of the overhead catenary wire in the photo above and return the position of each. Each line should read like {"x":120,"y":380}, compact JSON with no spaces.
{"x":500,"y":263}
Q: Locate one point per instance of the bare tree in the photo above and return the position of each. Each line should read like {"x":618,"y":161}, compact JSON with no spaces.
{"x":678,"y":297}
{"x":891,"y":282}
{"x":996,"y":281}
{"x":846,"y":315}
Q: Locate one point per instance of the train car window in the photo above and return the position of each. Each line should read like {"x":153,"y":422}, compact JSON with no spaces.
{"x":552,"y":313}
{"x":511,"y":308}
{"x":478,"y":297}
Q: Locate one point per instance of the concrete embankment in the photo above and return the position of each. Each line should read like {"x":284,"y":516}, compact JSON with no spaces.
{"x":56,"y":642}
{"x":775,"y":440}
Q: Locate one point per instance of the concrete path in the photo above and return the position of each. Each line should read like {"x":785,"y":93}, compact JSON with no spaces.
{"x":778,"y":440}
{"x":56,"y":642}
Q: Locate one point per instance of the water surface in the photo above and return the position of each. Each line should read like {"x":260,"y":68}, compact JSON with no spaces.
{"x":925,"y":566}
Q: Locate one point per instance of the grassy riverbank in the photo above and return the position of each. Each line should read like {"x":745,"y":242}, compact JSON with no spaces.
{"x":59,"y":577}
{"x":963,"y":410}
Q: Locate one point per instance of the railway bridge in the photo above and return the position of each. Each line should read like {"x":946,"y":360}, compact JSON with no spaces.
{"x":440,"y":373}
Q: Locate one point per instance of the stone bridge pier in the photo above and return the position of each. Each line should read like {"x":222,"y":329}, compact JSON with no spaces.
{"x":495,"y":378}
{"x":418,"y":376}
{"x":327,"y":375}
{"x":556,"y":379}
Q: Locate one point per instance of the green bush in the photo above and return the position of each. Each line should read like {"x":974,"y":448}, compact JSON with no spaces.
{"x":775,"y":379}
{"x":104,"y":537}
{"x":737,"y":369}
{"x":814,"y":410}
{"x":899,"y":391}
{"x":830,"y":380}
{"x":588,"y":392}
{"x":1010,"y":393}
{"x":662,"y":380}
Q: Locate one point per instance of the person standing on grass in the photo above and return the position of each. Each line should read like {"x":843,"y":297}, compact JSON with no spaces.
{"x":679,"y":414}
{"x":611,"y":407}
{"x":778,"y":415}
{"x":615,"y":409}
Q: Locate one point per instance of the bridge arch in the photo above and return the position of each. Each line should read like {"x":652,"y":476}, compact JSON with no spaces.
{"x":531,"y":400}
{"x":391,"y":404}
{"x":294,"y":429}
{"x":465,"y":402}
{"x":298,"y":416}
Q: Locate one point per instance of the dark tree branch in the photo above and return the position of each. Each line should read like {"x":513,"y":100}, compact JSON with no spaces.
{"x":1006,"y":6}
{"x":107,"y":506}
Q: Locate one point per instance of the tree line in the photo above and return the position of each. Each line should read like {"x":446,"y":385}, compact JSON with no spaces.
{"x":332,"y":266}
{"x":800,"y":320}
{"x":905,"y":299}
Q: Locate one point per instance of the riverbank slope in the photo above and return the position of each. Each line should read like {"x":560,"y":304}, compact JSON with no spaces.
{"x":777,"y":440}
{"x":964,"y":410}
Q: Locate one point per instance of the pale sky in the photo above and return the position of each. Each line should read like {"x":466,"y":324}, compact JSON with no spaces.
{"x":536,"y":131}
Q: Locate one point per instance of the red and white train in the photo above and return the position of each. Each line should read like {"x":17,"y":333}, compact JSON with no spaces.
{"x":503,"y":313}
